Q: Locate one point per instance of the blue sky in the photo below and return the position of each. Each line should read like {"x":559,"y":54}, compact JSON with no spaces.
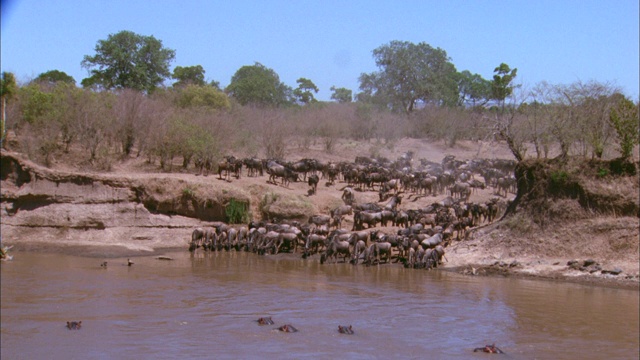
{"x":330,"y":42}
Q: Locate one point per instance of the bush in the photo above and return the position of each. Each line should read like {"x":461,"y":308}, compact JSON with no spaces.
{"x":558,"y":178}
{"x":237,"y":212}
{"x":188,"y":192}
{"x":602,"y":172}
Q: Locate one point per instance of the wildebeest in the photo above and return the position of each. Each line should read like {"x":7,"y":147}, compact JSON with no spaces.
{"x":254,"y":166}
{"x":341,"y":210}
{"x":334,"y":248}
{"x":229,"y":165}
{"x":276,"y":170}
{"x":432,"y":242}
{"x":368,"y":207}
{"x":393,"y":203}
{"x":358,"y":251}
{"x":313,"y":183}
{"x":319,"y":220}
{"x":203,"y":164}
{"x":198,"y":236}
{"x":314,"y":243}
{"x":461,"y":190}
{"x":286,"y":239}
{"x":400,"y":218}
{"x":375,"y":250}
{"x":433,"y":257}
{"x":348,"y":196}
{"x":362,"y":217}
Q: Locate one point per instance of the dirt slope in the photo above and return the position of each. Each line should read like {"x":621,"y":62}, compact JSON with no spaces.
{"x":154,"y":210}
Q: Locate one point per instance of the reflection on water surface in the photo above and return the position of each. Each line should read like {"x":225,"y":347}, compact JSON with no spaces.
{"x":204,"y":305}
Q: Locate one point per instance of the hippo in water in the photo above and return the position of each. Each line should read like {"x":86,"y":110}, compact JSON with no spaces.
{"x":74,"y":325}
{"x":491,"y":349}
{"x":265,"y":321}
{"x":287,"y":328}
{"x":345,"y":329}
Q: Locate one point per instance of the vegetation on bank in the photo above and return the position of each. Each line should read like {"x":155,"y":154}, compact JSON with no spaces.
{"x":552,"y":191}
{"x":124,"y":108}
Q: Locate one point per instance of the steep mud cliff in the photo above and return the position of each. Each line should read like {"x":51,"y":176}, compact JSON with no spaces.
{"x":41,"y":207}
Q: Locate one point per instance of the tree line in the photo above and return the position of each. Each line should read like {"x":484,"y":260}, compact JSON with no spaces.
{"x":125,"y":106}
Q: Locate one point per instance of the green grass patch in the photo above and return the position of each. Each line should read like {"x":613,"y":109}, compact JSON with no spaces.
{"x":237,"y":212}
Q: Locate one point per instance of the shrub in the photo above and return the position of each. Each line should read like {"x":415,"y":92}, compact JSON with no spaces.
{"x":237,"y":212}
{"x":188,"y":192}
{"x":558,"y":177}
{"x":602,"y":172}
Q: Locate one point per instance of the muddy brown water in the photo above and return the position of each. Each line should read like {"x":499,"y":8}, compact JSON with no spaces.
{"x":205,"y":306}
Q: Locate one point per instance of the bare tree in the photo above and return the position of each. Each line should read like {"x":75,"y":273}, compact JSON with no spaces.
{"x":130,"y":111}
{"x":93,"y":121}
{"x":508,"y":123}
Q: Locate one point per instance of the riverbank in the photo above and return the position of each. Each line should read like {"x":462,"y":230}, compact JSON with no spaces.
{"x":135,"y":210}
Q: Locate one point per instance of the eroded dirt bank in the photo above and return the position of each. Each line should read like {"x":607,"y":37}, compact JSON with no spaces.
{"x":49,"y":209}
{"x":137,"y":213}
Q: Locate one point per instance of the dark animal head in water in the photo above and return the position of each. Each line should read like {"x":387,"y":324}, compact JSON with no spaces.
{"x":74,"y":325}
{"x":265,"y":321}
{"x":287,"y":328}
{"x":345,"y":329}
{"x":491,"y":349}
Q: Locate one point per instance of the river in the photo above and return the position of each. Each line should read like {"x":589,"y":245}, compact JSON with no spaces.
{"x":205,"y":306}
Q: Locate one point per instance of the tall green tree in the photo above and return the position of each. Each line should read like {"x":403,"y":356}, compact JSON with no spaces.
{"x":624,"y":119}
{"x":8,"y":89}
{"x":128,"y":60}
{"x":474,"y":89}
{"x":502,"y":85}
{"x":54,"y":76}
{"x":305,"y":90}
{"x":410,"y":74}
{"x":258,"y":85}
{"x":341,"y":95}
{"x":502,"y":88}
{"x":188,"y":75}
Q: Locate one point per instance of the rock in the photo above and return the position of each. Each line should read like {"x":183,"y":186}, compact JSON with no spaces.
{"x":574,"y":264}
{"x":614,"y":271}
{"x":589,"y":262}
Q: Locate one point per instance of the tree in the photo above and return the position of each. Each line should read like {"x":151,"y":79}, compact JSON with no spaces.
{"x":54,"y":76}
{"x":501,"y":87}
{"x":8,"y":89}
{"x":474,"y":89}
{"x":258,"y":85}
{"x":128,"y":60}
{"x":410,"y":74}
{"x":341,"y":95}
{"x":305,"y":90}
{"x":624,"y":119}
{"x":187,"y":75}
{"x":593,"y":101}
{"x":201,"y":96}
{"x":94,"y":120}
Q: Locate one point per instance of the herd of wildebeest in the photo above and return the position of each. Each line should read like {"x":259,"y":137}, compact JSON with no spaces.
{"x":418,"y":236}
